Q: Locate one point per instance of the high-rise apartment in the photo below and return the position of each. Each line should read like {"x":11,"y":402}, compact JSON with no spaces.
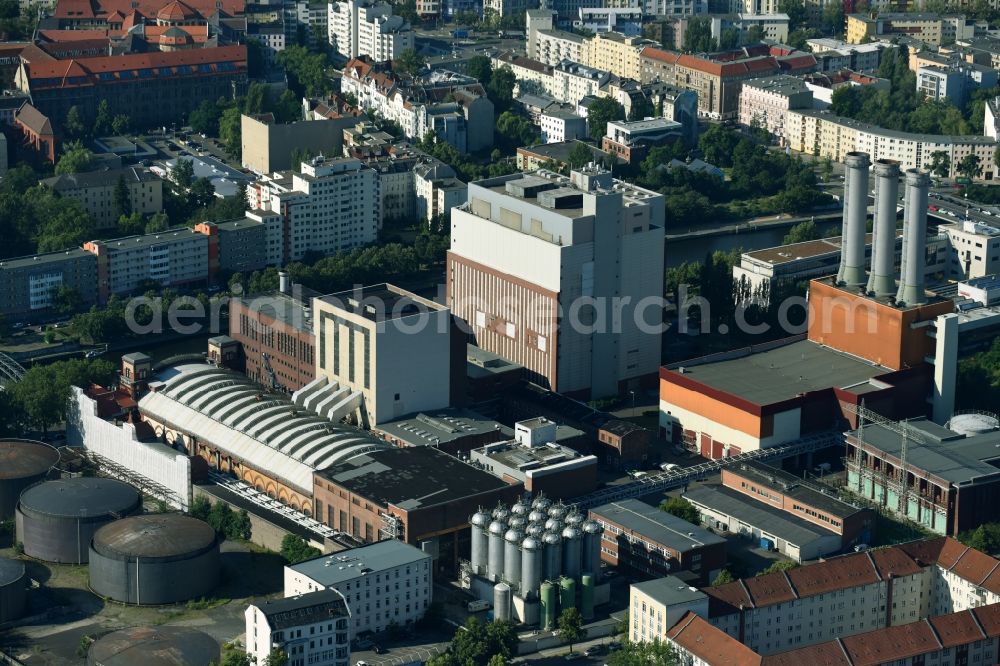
{"x":368,"y":27}
{"x":551,"y":272}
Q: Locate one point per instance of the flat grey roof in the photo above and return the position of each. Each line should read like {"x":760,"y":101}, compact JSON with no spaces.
{"x":330,"y":570}
{"x":440,"y":426}
{"x":794,"y":487}
{"x":939,"y":139}
{"x":943,"y":453}
{"x":285,"y":308}
{"x":782,"y":373}
{"x":659,"y":526}
{"x":782,"y":525}
{"x":669,"y":590}
{"x":381,"y":302}
{"x":47,"y":258}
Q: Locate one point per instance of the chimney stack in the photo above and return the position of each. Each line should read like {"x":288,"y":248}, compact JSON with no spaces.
{"x":911,"y":274}
{"x":284,"y":283}
{"x":882,"y":280}
{"x":852,"y":243}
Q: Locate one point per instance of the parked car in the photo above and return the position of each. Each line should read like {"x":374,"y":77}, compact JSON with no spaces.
{"x":594,"y":650}
{"x":477,"y":605}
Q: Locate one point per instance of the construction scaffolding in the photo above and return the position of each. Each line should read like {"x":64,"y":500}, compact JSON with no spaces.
{"x":146,"y":486}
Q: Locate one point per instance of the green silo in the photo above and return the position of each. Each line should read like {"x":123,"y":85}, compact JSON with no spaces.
{"x":567,"y":593}
{"x":548,"y":597}
{"x":587,"y":596}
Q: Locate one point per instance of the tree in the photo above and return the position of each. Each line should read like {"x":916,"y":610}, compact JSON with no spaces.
{"x":571,"y":626}
{"x":497,"y":660}
{"x":580,"y":154}
{"x":683,"y":509}
{"x":230,"y":131}
{"x":642,"y":108}
{"x":802,"y":232}
{"x":277,"y":657}
{"x":480,"y":68}
{"x":722,"y":578}
{"x":515,"y":131}
{"x":102,"y":123}
{"x":698,"y":36}
{"x":75,"y":159}
{"x":157,"y":222}
{"x":43,"y":392}
{"x":729,"y":39}
{"x":410,"y":62}
{"x":501,"y":88}
{"x":940,"y":164}
{"x":985,"y":538}
{"x":66,"y":300}
{"x":784,"y":565}
{"x":600,"y":113}
{"x":200,"y":507}
{"x":122,"y":199}
{"x":294,"y":549}
{"x":796,"y":10}
{"x":754,"y":34}
{"x":970,"y":166}
{"x":202,"y":193}
{"x":652,"y":653}
{"x":121,"y":123}
{"x":74,"y":126}
{"x":306,"y":71}
{"x":718,"y":144}
{"x":205,"y":119}
{"x":183,"y":172}
{"x":236,"y":658}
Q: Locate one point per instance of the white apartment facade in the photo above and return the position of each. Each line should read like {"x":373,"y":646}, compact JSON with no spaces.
{"x":974,"y":251}
{"x":765,"y":102}
{"x":367,"y":27}
{"x":826,"y":135}
{"x":561,"y":125}
{"x":573,"y":81}
{"x":311,"y":629}
{"x":554,"y":46}
{"x":437,"y":190}
{"x":384,"y":583}
{"x":527,"y":247}
{"x":329,"y":206}
{"x":95,"y":190}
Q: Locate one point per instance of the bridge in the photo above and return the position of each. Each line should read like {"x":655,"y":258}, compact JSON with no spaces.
{"x":663,"y":481}
{"x":10,"y":370}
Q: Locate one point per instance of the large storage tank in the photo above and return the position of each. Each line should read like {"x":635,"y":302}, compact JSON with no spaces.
{"x":512,"y":556}
{"x":558,"y":511}
{"x":591,"y":562}
{"x":531,"y":566}
{"x":57,"y":519}
{"x":154,"y":646}
{"x":574,"y":518}
{"x":973,"y":423}
{"x":552,"y":560}
{"x":553,"y":525}
{"x":548,"y":599}
{"x":537,"y":516}
{"x":23,"y":462}
{"x":495,"y":555}
{"x":154,"y":559}
{"x":572,"y":551}
{"x":567,"y":593}
{"x":13,"y":589}
{"x":587,"y":596}
{"x":501,"y":602}
{"x":480,"y":523}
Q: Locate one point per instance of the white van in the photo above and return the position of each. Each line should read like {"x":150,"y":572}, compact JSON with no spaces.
{"x":478,"y":605}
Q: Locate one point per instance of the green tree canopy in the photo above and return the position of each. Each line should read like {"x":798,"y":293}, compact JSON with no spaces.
{"x":722,"y":578}
{"x":75,"y":159}
{"x":601,"y":112}
{"x":570,"y":624}
{"x":801,"y":232}
{"x":294,"y":549}
{"x":410,"y":62}
{"x":680,"y":507}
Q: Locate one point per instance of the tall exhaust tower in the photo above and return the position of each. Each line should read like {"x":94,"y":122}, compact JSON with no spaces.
{"x":911,"y":274}
{"x":852,"y":243}
{"x":882,"y":280}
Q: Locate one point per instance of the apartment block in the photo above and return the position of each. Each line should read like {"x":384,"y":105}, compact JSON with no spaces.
{"x":936,"y":29}
{"x":573,"y":81}
{"x":95,"y":190}
{"x":529,"y":246}
{"x":974,"y":251}
{"x":28,"y":284}
{"x":368,"y":28}
{"x":437,"y":189}
{"x":765,"y":102}
{"x":551,"y":46}
{"x":331,"y":204}
{"x":835,"y":54}
{"x":313,"y":628}
{"x":623,"y":20}
{"x":617,"y":53}
{"x":562,"y":125}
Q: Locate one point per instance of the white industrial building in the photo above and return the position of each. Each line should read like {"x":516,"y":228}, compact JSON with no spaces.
{"x":975,"y":249}
{"x":527,"y":245}
{"x":560,"y":124}
{"x":332,"y":204}
{"x":385,"y":583}
{"x":368,"y":28}
{"x":313,"y":629}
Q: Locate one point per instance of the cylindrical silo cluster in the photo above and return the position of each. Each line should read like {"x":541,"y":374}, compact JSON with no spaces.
{"x":531,"y":566}
{"x":591,"y":560}
{"x":913,"y":264}
{"x":154,"y":646}
{"x":154,"y":559}
{"x":13,"y":590}
{"x":56,"y":520}
{"x":23,"y":463}
{"x":480,"y":522}
{"x":882,"y":279}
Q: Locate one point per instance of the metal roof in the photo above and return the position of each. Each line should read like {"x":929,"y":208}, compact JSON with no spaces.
{"x":21,"y":458}
{"x":794,"y":487}
{"x":659,"y":526}
{"x":81,"y":497}
{"x":331,"y":570}
{"x":155,"y":646}
{"x":10,"y":571}
{"x":669,"y":590}
{"x":304,"y":609}
{"x":155,"y":535}
{"x":782,"y":525}
{"x":266,"y":430}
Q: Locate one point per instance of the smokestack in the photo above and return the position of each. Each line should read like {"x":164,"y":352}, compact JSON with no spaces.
{"x":881,"y":280}
{"x":852,"y":243}
{"x":911,"y":274}
{"x":945,"y":367}
{"x":284,"y":283}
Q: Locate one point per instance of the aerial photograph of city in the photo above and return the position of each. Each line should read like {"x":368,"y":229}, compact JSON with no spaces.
{"x":499,"y":332}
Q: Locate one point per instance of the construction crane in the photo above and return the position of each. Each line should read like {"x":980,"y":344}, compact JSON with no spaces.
{"x":267,"y":366}
{"x":906,"y":433}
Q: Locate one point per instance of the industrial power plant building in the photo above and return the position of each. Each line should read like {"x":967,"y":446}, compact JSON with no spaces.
{"x":533,"y":559}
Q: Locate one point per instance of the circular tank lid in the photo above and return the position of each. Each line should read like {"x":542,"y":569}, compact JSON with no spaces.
{"x":502,"y":587}
{"x":514,"y":536}
{"x":498,"y":528}
{"x":574,"y":518}
{"x":591,"y":526}
{"x":517,"y":521}
{"x":541,"y":503}
{"x":558,"y":510}
{"x":537,"y":516}
{"x":519,"y":508}
{"x":531,"y":543}
{"x":480,"y":518}
{"x":973,"y":423}
{"x":10,"y":570}
{"x":21,"y":458}
{"x":80,"y":497}
{"x":154,"y":535}
{"x":155,"y":646}
{"x":553,"y":524}
{"x":551,"y":538}
{"x":571,"y":532}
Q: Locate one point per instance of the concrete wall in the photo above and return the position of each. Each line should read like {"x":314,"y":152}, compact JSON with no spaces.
{"x":268,"y":148}
{"x":119,"y":443}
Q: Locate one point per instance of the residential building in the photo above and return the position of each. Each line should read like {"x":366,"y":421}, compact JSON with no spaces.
{"x":936,"y":29}
{"x":571,"y":81}
{"x":418,"y":495}
{"x":37,"y":132}
{"x":28,"y":284}
{"x":530,"y":158}
{"x":452,"y":106}
{"x":153,"y":89}
{"x":331,"y":204}
{"x":590,"y":237}
{"x":116,"y":14}
{"x":271,"y":38}
{"x":824,"y":84}
{"x":835,"y":54}
{"x":268,"y":145}
{"x":531,"y":74}
{"x":437,"y":189}
{"x":241,"y":246}
{"x":645,"y":541}
{"x":95,"y":190}
{"x":10,"y":102}
{"x":825,"y":135}
{"x":974,"y":251}
{"x":389,"y":583}
{"x":561,"y":124}
{"x":534,"y":459}
{"x":625,"y":21}
{"x":764,"y":102}
{"x":503,"y":8}
{"x":614,"y":52}
{"x":954,"y":83}
{"x":549,"y":45}
{"x":368,"y":28}
{"x":657,"y":605}
{"x":397,"y":194}
{"x":631,"y":139}
{"x":677,"y":104}
{"x":275,"y":332}
{"x":400,"y":352}
{"x":313,"y":628}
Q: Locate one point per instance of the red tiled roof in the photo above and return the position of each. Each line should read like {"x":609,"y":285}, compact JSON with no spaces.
{"x":890,"y":644}
{"x":728,"y":598}
{"x":176,"y":11}
{"x":835,"y":574}
{"x":59,"y":49}
{"x":71,"y":35}
{"x":711,"y":644}
{"x":989,"y":618}
{"x":830,"y":653}
{"x":956,"y":628}
{"x":101,"y":9}
{"x":893,"y":561}
{"x":769,"y":589}
{"x":975,"y":566}
{"x":924,"y":552}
